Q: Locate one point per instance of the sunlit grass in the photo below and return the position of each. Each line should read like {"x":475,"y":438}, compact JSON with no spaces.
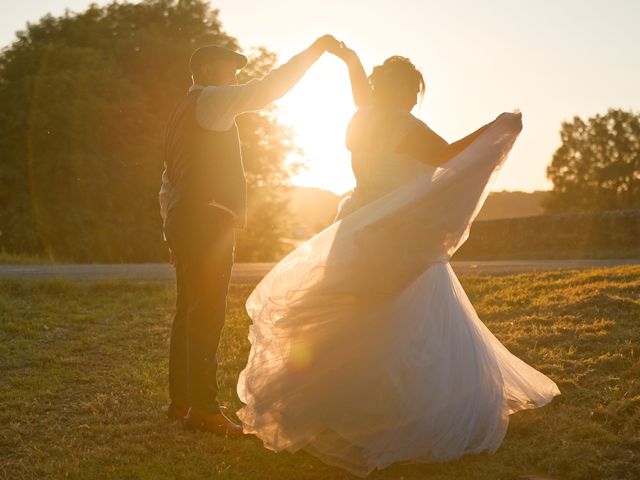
{"x":84,"y":369}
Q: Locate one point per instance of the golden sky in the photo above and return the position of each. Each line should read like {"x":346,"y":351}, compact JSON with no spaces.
{"x":552,"y":59}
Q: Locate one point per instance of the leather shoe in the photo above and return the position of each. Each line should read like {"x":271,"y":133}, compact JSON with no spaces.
{"x":214,"y":422}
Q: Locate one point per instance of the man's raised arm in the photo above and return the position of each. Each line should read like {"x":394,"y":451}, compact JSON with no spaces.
{"x":219,"y":105}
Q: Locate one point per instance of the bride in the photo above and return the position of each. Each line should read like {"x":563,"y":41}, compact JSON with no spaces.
{"x":365,"y":349}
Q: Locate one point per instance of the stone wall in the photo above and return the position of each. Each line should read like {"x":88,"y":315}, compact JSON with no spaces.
{"x":614,"y":234}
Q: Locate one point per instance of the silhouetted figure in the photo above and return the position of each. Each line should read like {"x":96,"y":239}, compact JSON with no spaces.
{"x":388,"y":144}
{"x":202,"y":199}
{"x":365,"y":349}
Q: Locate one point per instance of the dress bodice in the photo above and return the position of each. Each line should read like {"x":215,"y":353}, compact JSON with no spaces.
{"x":373,"y":137}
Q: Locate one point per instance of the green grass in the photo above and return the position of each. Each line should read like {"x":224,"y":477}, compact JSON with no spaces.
{"x":83,"y":373}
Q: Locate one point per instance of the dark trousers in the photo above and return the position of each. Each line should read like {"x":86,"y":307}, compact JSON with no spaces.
{"x":202,"y":243}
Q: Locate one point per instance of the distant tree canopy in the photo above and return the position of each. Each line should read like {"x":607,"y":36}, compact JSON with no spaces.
{"x":85,"y":98}
{"x":598,"y":165}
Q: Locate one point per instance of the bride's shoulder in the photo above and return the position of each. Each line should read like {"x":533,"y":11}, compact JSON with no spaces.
{"x":406,"y":122}
{"x":419,"y":125}
{"x":413,"y":120}
{"x":364,"y":113}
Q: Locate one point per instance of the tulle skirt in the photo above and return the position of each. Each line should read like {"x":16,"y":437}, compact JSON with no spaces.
{"x":365,"y":349}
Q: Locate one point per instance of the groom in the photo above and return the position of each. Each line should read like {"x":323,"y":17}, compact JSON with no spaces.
{"x":202,"y":200}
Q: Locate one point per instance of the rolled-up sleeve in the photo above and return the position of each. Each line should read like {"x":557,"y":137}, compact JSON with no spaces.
{"x":218,"y":106}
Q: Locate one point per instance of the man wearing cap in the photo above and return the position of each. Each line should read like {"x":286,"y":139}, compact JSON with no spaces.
{"x":202,"y":200}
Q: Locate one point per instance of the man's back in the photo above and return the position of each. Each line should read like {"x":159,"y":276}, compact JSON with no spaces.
{"x":204,"y":167}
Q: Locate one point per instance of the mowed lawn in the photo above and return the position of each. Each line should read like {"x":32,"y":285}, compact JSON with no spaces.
{"x":83,"y":384}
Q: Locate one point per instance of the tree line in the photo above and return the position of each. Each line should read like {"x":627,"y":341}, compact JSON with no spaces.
{"x":85,"y":98}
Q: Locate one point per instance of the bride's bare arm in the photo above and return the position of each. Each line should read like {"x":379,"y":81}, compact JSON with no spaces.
{"x":424,"y":145}
{"x":458,"y":146}
{"x":427,"y":146}
{"x":360,"y":88}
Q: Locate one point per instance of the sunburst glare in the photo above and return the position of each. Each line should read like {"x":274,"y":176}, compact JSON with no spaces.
{"x":318,"y":111}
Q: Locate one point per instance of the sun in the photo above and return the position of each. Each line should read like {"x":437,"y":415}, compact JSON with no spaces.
{"x":318,"y":111}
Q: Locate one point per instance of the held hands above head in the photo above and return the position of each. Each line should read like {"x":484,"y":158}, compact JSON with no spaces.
{"x":327,"y":43}
{"x":343,"y":52}
{"x":330,"y":44}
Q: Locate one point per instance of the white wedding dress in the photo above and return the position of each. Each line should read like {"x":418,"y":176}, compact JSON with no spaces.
{"x":365,"y":349}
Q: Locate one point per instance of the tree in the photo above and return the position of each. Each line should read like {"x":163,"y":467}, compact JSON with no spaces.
{"x":265,"y":145}
{"x":85,"y":100}
{"x":597,"y":166}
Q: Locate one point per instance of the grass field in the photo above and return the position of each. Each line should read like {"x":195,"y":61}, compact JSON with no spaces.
{"x":84,"y":370}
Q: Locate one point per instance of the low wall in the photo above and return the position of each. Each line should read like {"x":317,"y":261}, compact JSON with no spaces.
{"x":614,"y":234}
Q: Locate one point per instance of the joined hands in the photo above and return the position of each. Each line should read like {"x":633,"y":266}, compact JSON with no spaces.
{"x":343,"y":52}
{"x":330,"y":44}
{"x":327,"y":43}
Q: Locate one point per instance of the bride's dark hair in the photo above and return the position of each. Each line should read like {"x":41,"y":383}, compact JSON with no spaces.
{"x":394,"y":80}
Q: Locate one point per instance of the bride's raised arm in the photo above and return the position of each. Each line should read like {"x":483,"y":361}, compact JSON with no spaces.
{"x":360,"y":87}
